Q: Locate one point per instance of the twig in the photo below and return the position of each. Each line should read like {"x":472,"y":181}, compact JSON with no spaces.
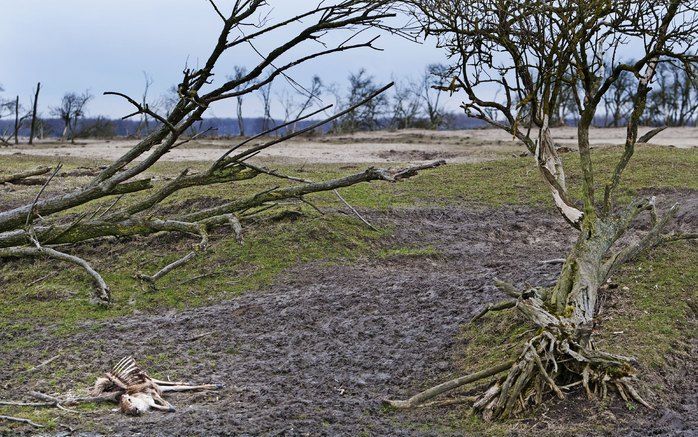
{"x":43,"y":363}
{"x":168,"y":268}
{"x":27,"y":404}
{"x":41,"y":191}
{"x":142,"y":110}
{"x":339,"y":196}
{"x":103,"y":295}
{"x":194,"y":137}
{"x":41,"y":279}
{"x":200,"y":336}
{"x":312,"y":205}
{"x":217,"y":10}
{"x":111,"y":206}
{"x":180,"y":262}
{"x":312,"y":127}
{"x":21,"y":420}
{"x":448,"y":402}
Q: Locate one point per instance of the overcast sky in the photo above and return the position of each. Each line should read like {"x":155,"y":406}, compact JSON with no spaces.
{"x":74,"y":45}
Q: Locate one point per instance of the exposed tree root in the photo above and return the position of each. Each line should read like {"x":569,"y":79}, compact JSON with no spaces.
{"x":447,"y":402}
{"x":546,"y":358}
{"x":503,"y":305}
{"x":447,"y":386}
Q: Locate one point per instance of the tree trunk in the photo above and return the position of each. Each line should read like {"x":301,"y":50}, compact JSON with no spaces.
{"x":36,"y":102}
{"x":563,"y":351}
{"x":64,"y":135}
{"x":241,"y":121}
{"x":17,"y":120}
{"x":72,"y":127}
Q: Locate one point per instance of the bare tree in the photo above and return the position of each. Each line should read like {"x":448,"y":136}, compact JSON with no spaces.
{"x":566,"y":107}
{"x":294,"y":109}
{"x":144,"y":125}
{"x":36,"y":229}
{"x":618,"y":100}
{"x":674,"y":99}
{"x":70,"y":111}
{"x":100,"y":127}
{"x":265,"y":97}
{"x":434,"y":81}
{"x":17,"y":120}
{"x":289,"y":103}
{"x":406,"y":105}
{"x":312,"y":94}
{"x":541,"y":47}
{"x":16,"y":108}
{"x":35,"y":104}
{"x":169,"y":100}
{"x":366,"y":117}
{"x":239,"y":73}
{"x":6,"y":108}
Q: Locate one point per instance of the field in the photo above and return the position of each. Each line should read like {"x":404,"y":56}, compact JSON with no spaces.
{"x":317,"y":318}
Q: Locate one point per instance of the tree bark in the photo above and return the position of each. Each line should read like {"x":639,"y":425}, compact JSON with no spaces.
{"x":564,"y":349}
{"x":36,"y":103}
{"x":241,"y":120}
{"x":17,"y":120}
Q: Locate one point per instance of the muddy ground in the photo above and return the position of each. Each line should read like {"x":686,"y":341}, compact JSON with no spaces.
{"x":315,"y":353}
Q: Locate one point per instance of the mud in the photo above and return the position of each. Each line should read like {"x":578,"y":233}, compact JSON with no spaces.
{"x":315,"y":353}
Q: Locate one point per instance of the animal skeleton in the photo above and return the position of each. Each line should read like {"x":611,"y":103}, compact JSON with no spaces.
{"x":137,"y":392}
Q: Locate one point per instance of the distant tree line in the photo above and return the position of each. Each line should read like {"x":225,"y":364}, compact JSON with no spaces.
{"x":673,"y":100}
{"x":412,"y":104}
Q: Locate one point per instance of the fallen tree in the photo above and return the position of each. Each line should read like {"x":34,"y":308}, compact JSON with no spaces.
{"x":16,"y":177}
{"x":531,"y":51}
{"x":39,"y":227}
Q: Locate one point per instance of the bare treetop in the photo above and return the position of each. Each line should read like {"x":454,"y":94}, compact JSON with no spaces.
{"x":535,"y":50}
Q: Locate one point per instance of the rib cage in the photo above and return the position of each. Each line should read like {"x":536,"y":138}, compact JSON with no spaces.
{"x":128,"y":373}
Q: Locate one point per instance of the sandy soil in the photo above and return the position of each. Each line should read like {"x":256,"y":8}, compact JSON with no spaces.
{"x":374,"y":147}
{"x":315,"y":353}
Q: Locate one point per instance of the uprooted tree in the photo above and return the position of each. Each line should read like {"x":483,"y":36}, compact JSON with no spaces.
{"x":123,"y":200}
{"x":532,"y":51}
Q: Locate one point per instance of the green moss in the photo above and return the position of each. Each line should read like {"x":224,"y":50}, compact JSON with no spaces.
{"x":651,"y":308}
{"x":226,"y":269}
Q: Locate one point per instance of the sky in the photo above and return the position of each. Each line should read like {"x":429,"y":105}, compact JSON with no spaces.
{"x":107,"y":45}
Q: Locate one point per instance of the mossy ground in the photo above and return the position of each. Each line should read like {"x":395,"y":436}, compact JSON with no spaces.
{"x":649,"y":317}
